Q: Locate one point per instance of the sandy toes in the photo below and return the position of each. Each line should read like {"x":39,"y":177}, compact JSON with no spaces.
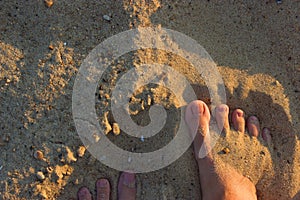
{"x":218,"y":179}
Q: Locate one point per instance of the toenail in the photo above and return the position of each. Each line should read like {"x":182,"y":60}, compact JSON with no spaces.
{"x":84,"y":191}
{"x":195,"y":109}
{"x":102,"y":183}
{"x":129,"y":180}
{"x":221,"y":109}
{"x":253,"y":120}
{"x":240,"y":114}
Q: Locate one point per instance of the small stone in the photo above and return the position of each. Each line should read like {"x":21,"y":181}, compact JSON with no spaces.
{"x":226,"y":150}
{"x":106,"y":17}
{"x":116,"y":129}
{"x":107,"y":96}
{"x":76,"y":182}
{"x":81,"y":151}
{"x":49,"y":169}
{"x":51,"y":47}
{"x":38,"y":155}
{"x":40,"y":175}
{"x":8,"y":80}
{"x":48,"y":3}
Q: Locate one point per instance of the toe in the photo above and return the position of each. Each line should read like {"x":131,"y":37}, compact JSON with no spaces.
{"x":127,"y":186}
{"x":266,"y":135}
{"x":103,"y":189}
{"x":253,"y":126}
{"x":197,"y":116}
{"x":221,"y":113}
{"x":84,"y":194}
{"x":238,"y":120}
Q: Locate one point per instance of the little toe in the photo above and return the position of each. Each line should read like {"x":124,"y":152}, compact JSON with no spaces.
{"x":266,"y":135}
{"x":238,"y":120}
{"x":84,"y":194}
{"x":221,"y":114}
{"x":103,"y":189}
{"x":253,"y":126}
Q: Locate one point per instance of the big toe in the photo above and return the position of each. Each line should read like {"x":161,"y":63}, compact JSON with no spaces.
{"x":84,"y":194}
{"x":103,"y":189}
{"x":197,"y":117}
{"x":238,"y":120}
{"x":127,"y":186}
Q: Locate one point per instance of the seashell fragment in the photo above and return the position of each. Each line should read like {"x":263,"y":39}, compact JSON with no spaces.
{"x":38,"y":155}
{"x":106,"y":17}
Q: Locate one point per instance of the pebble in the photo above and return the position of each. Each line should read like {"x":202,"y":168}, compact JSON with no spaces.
{"x":81,"y":151}
{"x":51,"y":47}
{"x":48,"y":3}
{"x":106,"y":17}
{"x":38,"y":155}
{"x":116,"y":129}
{"x":40,"y":175}
{"x":226,"y":150}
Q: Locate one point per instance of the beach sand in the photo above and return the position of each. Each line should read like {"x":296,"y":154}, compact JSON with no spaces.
{"x":255,"y":46}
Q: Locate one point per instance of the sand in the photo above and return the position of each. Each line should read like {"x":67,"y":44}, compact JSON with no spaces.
{"x":254,"y":44}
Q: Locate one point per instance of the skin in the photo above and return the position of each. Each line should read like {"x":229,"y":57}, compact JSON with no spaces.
{"x":126,"y":189}
{"x":218,"y":180}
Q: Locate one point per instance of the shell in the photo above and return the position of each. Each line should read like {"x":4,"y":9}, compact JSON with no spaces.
{"x":106,"y":17}
{"x":38,"y":155}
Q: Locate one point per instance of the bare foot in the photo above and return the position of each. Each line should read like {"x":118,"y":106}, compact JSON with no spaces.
{"x":219,"y":180}
{"x":126,"y":189}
